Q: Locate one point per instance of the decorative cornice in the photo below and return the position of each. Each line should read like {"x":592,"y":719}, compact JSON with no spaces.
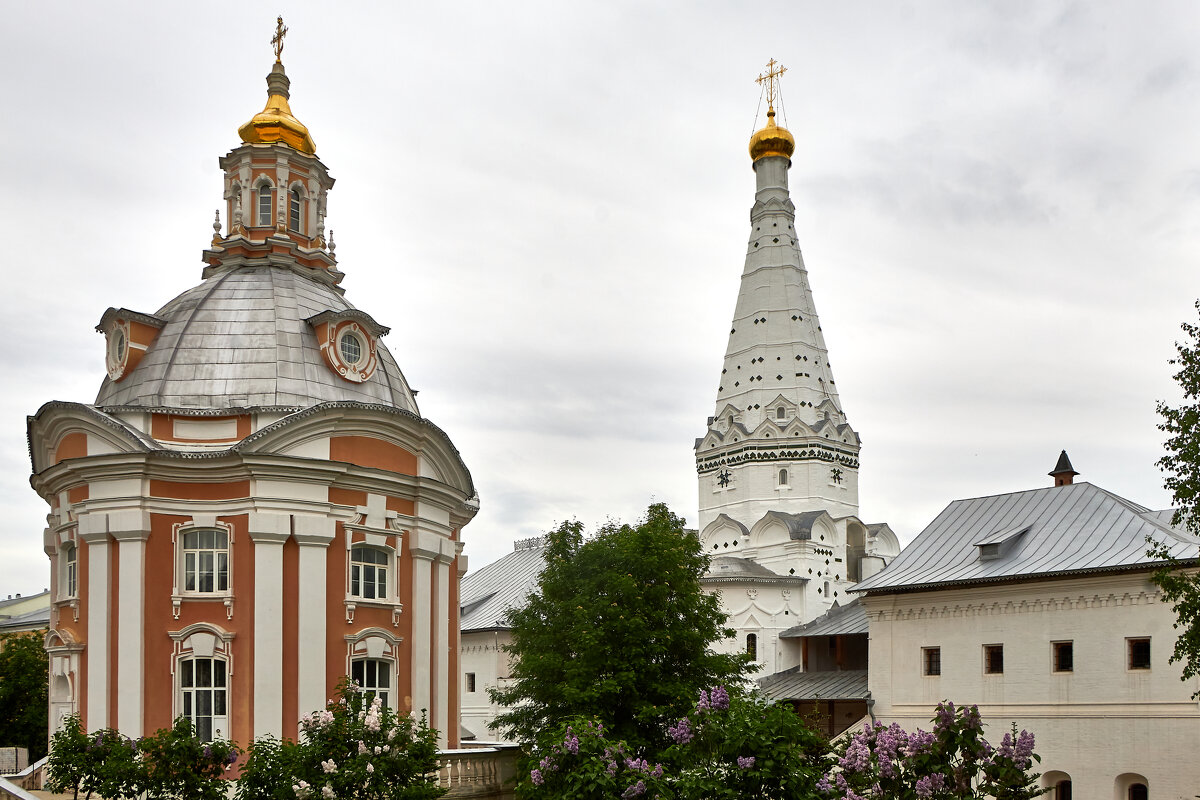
{"x":776,"y":451}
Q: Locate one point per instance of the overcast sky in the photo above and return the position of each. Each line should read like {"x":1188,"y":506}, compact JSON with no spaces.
{"x":998,"y":204}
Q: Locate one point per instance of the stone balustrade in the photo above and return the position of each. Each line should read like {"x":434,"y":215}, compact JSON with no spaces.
{"x":479,"y":772}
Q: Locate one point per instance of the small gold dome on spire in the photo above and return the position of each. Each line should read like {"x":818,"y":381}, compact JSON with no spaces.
{"x":771,"y":140}
{"x":275,"y":122}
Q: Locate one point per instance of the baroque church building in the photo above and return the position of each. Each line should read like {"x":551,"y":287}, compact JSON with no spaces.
{"x":778,"y":465}
{"x":253,"y":508}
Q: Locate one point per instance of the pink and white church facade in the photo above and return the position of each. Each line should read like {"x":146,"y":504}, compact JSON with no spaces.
{"x":253,"y":507}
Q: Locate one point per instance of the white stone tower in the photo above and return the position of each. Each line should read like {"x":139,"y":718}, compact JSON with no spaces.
{"x":778,"y":465}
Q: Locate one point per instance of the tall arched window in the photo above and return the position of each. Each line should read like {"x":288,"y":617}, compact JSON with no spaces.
{"x":1139,"y":791}
{"x":294,"y":212}
{"x":779,"y":412}
{"x":374,"y":675}
{"x":752,"y":646}
{"x":1062,"y":790}
{"x":204,"y":691}
{"x":266,"y":199}
{"x":783,"y":478}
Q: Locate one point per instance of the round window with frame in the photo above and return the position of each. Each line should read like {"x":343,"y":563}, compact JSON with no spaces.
{"x":118,"y":350}
{"x":352,"y":351}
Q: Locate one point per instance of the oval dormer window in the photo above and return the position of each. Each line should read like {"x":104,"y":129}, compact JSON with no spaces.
{"x":351,"y":348}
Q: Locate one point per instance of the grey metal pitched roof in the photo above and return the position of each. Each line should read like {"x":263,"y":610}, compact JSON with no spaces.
{"x":732,"y":568}
{"x":837,"y":621}
{"x":1072,"y":529}
{"x":240,"y":340}
{"x":487,"y":593}
{"x":33,"y":620}
{"x":831,"y":685}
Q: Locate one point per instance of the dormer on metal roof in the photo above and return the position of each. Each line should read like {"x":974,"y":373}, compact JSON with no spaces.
{"x":1000,"y":543}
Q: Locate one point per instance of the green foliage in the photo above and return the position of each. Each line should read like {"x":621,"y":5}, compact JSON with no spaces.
{"x":356,"y":749}
{"x":577,"y":762}
{"x":952,"y":762}
{"x":171,"y":764}
{"x":178,"y":766}
{"x":24,"y":693}
{"x":1182,"y":467}
{"x":617,"y":627}
{"x":742,"y":746}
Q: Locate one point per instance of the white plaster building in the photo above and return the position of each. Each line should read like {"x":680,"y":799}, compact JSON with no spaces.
{"x":1038,"y":607}
{"x":778,"y":465}
{"x":253,"y":508}
{"x":487,"y":595}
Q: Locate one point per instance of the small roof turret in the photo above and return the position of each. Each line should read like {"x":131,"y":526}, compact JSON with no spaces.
{"x":1063,"y":473}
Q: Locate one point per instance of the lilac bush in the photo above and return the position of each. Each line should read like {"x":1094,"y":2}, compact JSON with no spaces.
{"x":577,"y":761}
{"x":951,"y":762}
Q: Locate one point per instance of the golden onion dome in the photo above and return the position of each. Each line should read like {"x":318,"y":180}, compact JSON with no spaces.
{"x":275,"y":122}
{"x":772,"y":140}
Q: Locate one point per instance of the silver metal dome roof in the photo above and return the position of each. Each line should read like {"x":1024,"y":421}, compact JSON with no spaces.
{"x":239,"y":340}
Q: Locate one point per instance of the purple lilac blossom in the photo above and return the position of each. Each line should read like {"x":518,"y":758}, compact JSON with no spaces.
{"x":857,"y":757}
{"x":681,"y":732}
{"x":638,"y":788}
{"x":703,"y":704}
{"x":745,"y":762}
{"x":720,"y":699}
{"x":536,"y":777}
{"x":929,"y":784}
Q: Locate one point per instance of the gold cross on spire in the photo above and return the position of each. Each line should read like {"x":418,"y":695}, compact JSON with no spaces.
{"x":277,"y":39}
{"x":774,"y":72}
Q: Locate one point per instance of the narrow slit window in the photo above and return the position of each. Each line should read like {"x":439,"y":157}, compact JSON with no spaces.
{"x":266,"y":199}
{"x":931,"y":658}
{"x":294,"y":212}
{"x":752,"y":646}
{"x":783,"y":477}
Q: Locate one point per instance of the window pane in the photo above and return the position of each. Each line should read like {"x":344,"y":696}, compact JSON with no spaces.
{"x":381,"y":582}
{"x":355,"y":582}
{"x":206,"y":540}
{"x":222,"y":571}
{"x":218,"y":672}
{"x":190,"y":540}
{"x":384,"y":677}
{"x":185,"y":677}
{"x":220,"y":540}
{"x":204,"y":702}
{"x":369,"y":582}
{"x":372,"y":673}
{"x":189,"y":571}
{"x":356,"y":672}
{"x":219,"y":702}
{"x":187,"y":704}
{"x":203,"y":672}
{"x":204,"y":729}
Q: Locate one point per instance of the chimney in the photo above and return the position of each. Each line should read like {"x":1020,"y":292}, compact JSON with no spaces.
{"x":1063,"y":473}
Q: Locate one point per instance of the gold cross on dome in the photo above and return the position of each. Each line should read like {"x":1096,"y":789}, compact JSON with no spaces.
{"x":277,"y":39}
{"x":774,"y":72}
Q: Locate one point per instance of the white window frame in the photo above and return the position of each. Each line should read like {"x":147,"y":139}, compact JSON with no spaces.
{"x":180,"y":593}
{"x":190,"y":696}
{"x":262,"y":184}
{"x":375,"y":540}
{"x":69,"y":588}
{"x":383,"y":666}
{"x":387,"y":566}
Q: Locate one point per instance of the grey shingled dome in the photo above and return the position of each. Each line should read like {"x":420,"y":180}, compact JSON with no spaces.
{"x":239,"y":340}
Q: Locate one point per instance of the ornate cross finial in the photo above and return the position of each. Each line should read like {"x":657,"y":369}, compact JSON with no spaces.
{"x":277,"y":40}
{"x":771,"y":77}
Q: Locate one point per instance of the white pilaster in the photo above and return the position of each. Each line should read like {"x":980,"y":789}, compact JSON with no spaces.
{"x":424,"y":549}
{"x":268,"y":532}
{"x":131,"y":535}
{"x":93,"y":530}
{"x":313,"y":534}
{"x":442,"y":644}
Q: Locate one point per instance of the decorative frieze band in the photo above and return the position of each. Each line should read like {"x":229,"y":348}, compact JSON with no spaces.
{"x":759,"y":453}
{"x":1012,"y":607}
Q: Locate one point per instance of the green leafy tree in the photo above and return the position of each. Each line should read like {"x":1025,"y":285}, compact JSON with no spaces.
{"x":618,"y":628}
{"x":1178,"y":579}
{"x":24,"y":693}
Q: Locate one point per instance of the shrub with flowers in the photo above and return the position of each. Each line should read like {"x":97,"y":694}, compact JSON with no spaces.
{"x":355,"y":749}
{"x":951,"y":762}
{"x":577,"y":761}
{"x":742,"y":746}
{"x":171,"y":764}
